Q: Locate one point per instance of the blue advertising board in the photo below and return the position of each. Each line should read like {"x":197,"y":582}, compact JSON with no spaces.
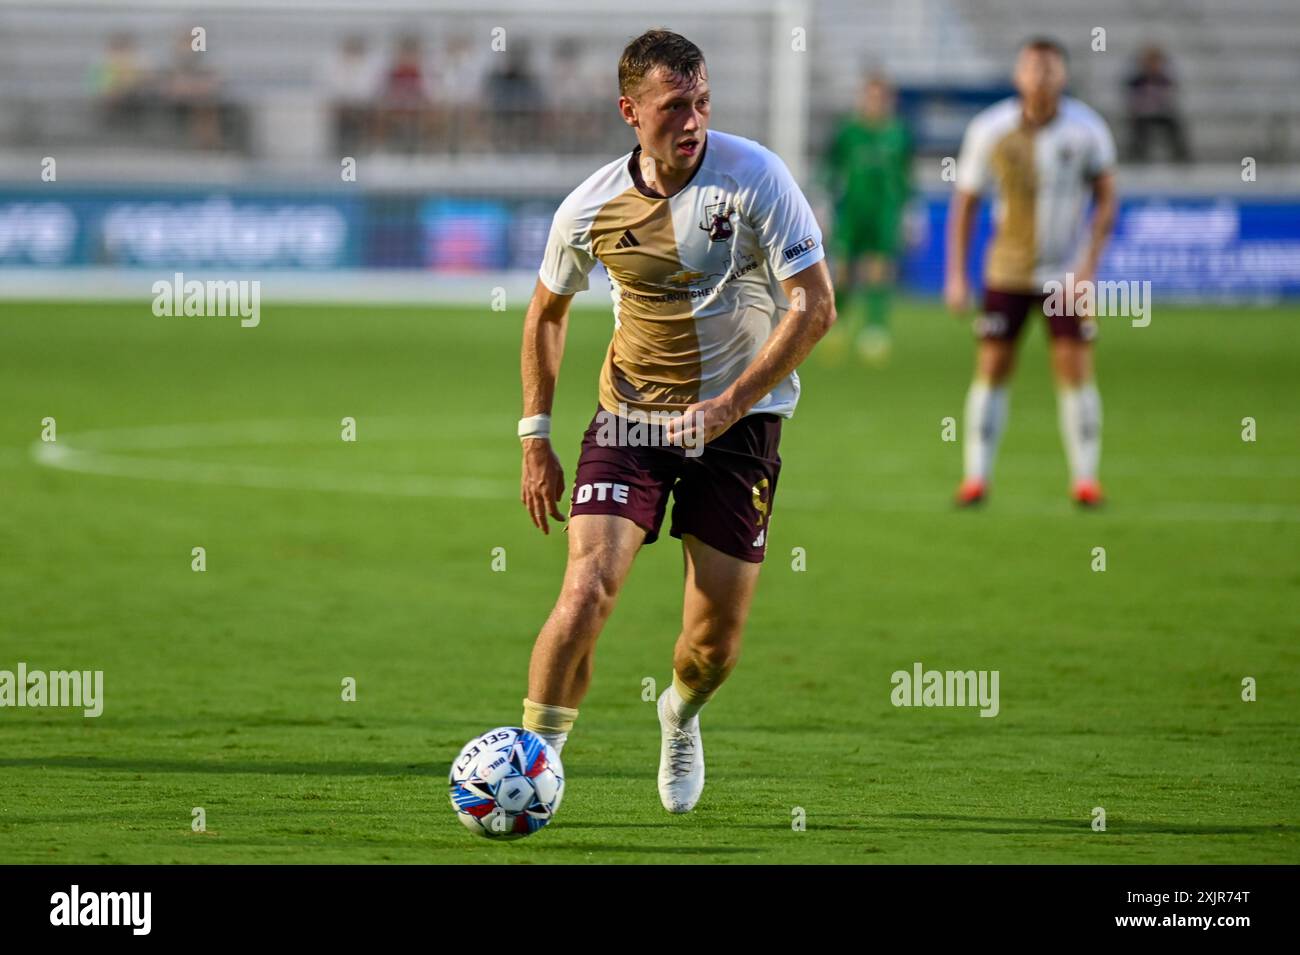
{"x":178,"y":229}
{"x":1193,"y":249}
{"x":1213,"y":248}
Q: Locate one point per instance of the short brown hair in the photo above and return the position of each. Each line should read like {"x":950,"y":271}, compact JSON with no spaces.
{"x":656,"y":48}
{"x":1046,"y":44}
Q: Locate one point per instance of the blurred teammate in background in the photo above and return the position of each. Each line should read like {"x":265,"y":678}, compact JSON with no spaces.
{"x":867,"y":172}
{"x":1046,"y":154}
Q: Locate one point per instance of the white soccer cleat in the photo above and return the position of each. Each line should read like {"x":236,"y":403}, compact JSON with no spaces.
{"x":681,"y":761}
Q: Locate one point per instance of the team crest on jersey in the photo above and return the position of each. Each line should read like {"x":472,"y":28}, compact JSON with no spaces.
{"x":717,"y":221}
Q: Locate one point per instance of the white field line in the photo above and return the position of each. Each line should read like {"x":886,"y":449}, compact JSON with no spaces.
{"x":100,"y":452}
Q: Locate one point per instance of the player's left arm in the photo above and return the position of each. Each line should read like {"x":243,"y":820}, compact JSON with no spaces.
{"x":811,"y":314}
{"x":1101,"y":169}
{"x":1104,"y":205}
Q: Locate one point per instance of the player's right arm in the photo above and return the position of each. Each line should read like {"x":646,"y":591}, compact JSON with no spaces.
{"x":566,"y":263}
{"x":972,"y":176}
{"x":545,"y":324}
{"x":961,"y":220}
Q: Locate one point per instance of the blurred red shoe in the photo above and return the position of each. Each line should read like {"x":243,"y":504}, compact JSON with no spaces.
{"x":970,"y":493}
{"x":1087,"y":493}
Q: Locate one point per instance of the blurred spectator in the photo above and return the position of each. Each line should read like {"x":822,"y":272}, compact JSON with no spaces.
{"x":1153,"y":107}
{"x":576,"y":114}
{"x":515,"y":99}
{"x":458,"y":88}
{"x":121,"y":83}
{"x":352,"y":81}
{"x":405,"y":108}
{"x":192,"y":91}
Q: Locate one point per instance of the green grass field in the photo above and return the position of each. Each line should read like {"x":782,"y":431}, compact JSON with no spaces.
{"x":373,"y":560}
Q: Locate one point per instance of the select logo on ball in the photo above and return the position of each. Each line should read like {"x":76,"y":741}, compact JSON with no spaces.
{"x":506,"y":784}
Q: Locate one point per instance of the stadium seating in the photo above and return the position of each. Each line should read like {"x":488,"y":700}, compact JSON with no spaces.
{"x":1236,"y":69}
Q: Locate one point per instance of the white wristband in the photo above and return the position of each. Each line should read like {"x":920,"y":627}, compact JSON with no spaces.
{"x":538,"y":426}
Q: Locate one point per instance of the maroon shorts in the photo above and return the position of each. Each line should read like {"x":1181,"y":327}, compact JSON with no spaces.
{"x":1005,"y":313}
{"x":723,"y":495}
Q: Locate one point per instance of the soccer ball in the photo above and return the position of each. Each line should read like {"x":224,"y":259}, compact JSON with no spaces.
{"x":507,"y":783}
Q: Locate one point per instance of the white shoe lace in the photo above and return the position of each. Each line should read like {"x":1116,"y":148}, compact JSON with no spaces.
{"x":681,"y":752}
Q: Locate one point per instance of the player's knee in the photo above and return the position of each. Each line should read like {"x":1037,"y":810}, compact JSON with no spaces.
{"x":714,"y":644}
{"x":1070,"y":365}
{"x":589,"y":596}
{"x":995,"y":367}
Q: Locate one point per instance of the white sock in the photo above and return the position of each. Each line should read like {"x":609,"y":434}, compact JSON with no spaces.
{"x":678,"y":709}
{"x":986,"y":416}
{"x":1079,"y":413}
{"x":555,"y":739}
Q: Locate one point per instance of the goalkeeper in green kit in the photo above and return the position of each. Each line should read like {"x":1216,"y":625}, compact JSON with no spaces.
{"x":867,"y":173}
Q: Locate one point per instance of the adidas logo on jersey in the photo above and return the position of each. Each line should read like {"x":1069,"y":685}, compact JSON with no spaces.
{"x":628,"y":241}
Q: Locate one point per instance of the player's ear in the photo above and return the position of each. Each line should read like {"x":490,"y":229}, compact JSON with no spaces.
{"x":628,"y":108}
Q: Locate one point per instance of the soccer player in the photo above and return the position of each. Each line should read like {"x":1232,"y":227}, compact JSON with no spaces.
{"x":720,"y":291}
{"x":868,"y":170}
{"x":1046,"y":153}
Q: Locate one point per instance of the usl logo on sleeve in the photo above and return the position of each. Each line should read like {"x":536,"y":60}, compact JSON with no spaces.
{"x":804,"y":245}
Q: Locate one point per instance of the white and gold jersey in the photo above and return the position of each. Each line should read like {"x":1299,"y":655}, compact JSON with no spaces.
{"x":1043,"y":179}
{"x":695,"y":276}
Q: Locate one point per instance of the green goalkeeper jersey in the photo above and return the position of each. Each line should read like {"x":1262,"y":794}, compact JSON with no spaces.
{"x":868,"y":165}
